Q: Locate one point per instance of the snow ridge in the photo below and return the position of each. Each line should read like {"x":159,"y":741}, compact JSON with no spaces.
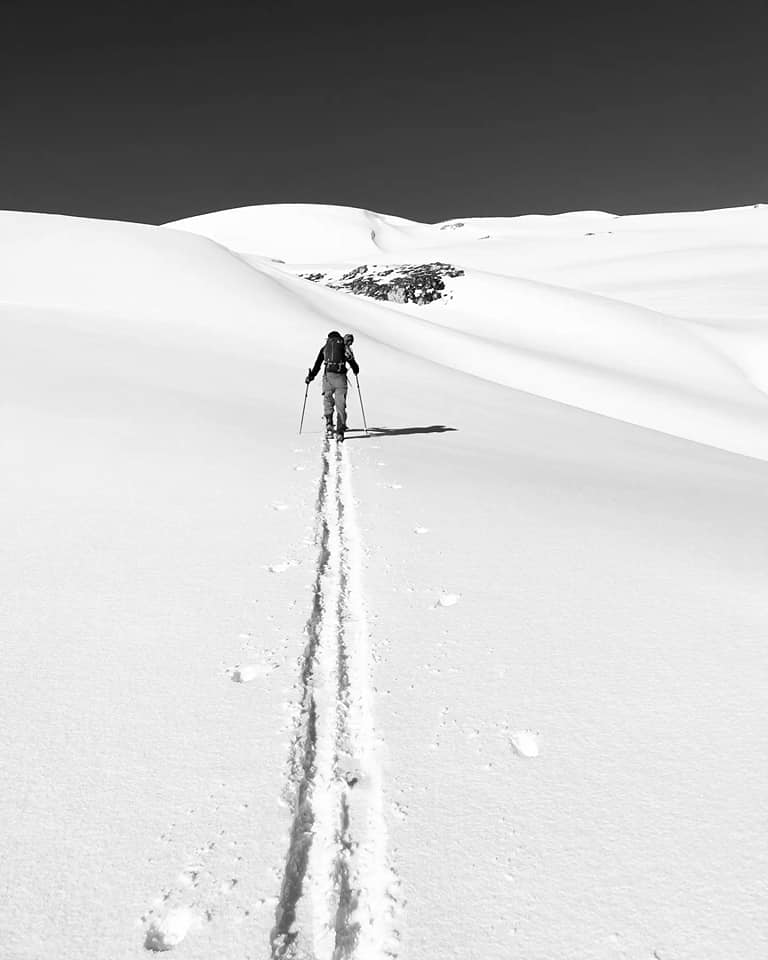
{"x":339,"y":896}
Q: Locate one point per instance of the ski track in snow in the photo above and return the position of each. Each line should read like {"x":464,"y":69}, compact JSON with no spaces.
{"x":339,"y":897}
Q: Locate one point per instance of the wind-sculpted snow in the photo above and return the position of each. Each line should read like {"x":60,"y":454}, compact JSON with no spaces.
{"x":166,"y":284}
{"x":577,"y":348}
{"x":536,"y":303}
{"x":703,"y":381}
{"x":302,"y":232}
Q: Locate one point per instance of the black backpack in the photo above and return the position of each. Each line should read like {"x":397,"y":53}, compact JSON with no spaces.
{"x":335,"y":355}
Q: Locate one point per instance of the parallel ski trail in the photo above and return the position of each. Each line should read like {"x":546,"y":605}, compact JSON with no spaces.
{"x":302,"y":769}
{"x":339,"y":895}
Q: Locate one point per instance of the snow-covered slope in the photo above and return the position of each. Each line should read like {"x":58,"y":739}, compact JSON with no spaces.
{"x":485,"y":683}
{"x":302,"y":231}
{"x":637,"y":334}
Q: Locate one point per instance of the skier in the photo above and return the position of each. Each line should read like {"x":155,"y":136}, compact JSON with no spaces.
{"x":335,"y":354}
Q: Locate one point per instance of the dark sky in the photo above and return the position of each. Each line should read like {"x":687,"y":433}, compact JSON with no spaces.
{"x":156,"y":111}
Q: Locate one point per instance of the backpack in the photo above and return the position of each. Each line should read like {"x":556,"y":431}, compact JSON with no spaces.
{"x":335,"y":355}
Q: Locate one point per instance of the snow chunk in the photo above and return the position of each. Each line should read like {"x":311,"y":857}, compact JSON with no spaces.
{"x":249,"y":672}
{"x":448,"y":600}
{"x":166,"y":932}
{"x":525,"y":743}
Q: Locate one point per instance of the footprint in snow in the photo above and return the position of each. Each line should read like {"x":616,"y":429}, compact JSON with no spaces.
{"x":168,"y":931}
{"x":525,"y":743}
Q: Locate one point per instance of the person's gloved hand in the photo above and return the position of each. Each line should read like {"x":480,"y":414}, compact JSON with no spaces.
{"x":307,"y":379}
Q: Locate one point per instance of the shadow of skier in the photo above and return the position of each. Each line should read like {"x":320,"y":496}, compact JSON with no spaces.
{"x":400,"y":431}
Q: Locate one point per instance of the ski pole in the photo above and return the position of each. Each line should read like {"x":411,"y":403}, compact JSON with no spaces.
{"x":362,"y":408}
{"x":303,"y":408}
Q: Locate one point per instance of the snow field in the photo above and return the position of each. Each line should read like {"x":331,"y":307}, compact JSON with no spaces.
{"x":137,"y":521}
{"x":159,"y":603}
{"x":577,"y":627}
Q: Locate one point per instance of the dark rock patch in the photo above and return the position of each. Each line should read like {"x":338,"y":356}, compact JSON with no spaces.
{"x":408,"y":283}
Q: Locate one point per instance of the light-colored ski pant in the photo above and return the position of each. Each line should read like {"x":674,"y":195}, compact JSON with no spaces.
{"x":335,"y":394}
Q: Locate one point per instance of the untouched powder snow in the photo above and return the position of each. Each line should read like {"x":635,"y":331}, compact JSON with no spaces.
{"x":486,"y":682}
{"x":302,"y":231}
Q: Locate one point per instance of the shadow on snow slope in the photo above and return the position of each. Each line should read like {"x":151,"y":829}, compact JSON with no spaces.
{"x":399,"y":431}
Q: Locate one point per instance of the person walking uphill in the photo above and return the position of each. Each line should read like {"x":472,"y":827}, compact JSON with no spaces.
{"x":335,"y":354}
